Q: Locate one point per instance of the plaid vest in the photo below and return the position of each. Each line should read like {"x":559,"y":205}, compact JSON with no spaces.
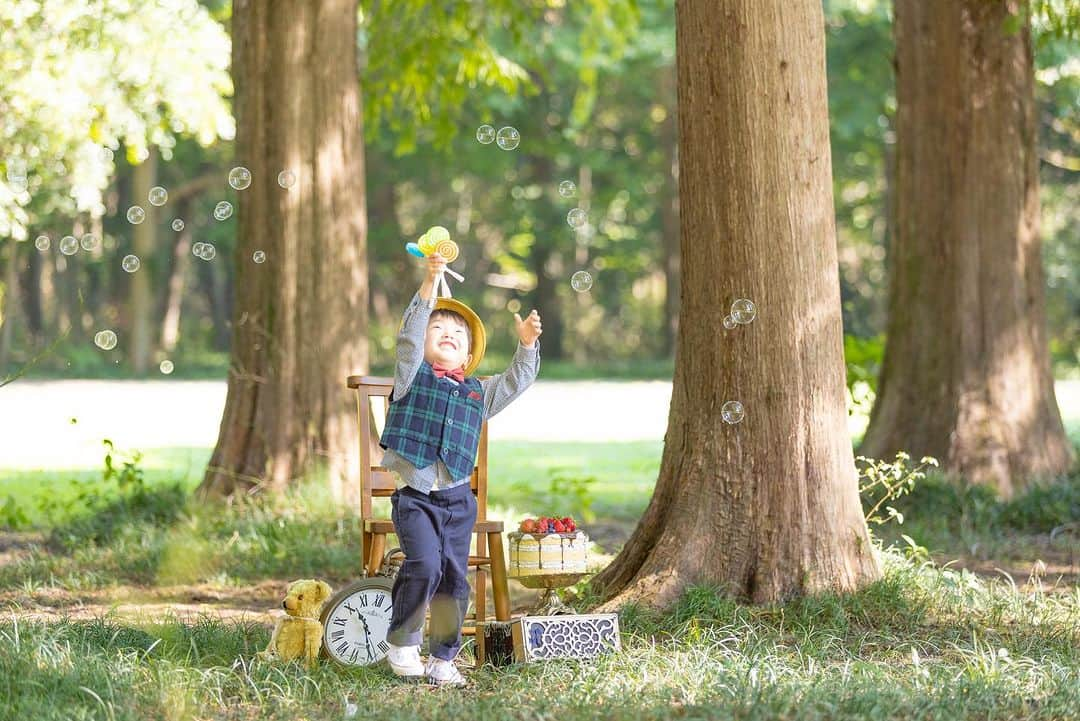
{"x":436,"y":419}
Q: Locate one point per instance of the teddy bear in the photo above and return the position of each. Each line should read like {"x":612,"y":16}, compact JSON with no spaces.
{"x":300,"y":632}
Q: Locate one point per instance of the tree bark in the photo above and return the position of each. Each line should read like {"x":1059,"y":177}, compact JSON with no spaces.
{"x":768,"y":508}
{"x":9,"y":302}
{"x":669,"y":214}
{"x":141,"y":299}
{"x":966,"y":376}
{"x":300,"y":319}
{"x":174,"y":293}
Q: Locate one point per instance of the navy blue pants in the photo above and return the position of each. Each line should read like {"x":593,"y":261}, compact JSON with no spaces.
{"x":435,"y":531}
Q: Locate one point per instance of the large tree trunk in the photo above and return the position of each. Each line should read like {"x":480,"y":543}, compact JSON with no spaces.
{"x":966,"y":376}
{"x":669,"y":211}
{"x":300,"y":319}
{"x":768,"y":508}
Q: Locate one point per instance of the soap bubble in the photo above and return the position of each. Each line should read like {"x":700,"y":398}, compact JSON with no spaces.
{"x":240,"y":177}
{"x":196,"y":249}
{"x":136,"y":215}
{"x":177,"y":225}
{"x":41,"y":242}
{"x":68,"y":245}
{"x":732,"y":412}
{"x":223,"y":210}
{"x":743,"y":311}
{"x":513,"y":305}
{"x":508,"y":138}
{"x":88,"y":241}
{"x":581,"y":281}
{"x":286,"y":178}
{"x":485,"y":134}
{"x":567,"y":189}
{"x":208,"y":251}
{"x":105,"y":339}
{"x":158,"y":195}
{"x":577,"y":218}
{"x":729,"y":322}
{"x":166,"y":367}
{"x":130,"y":263}
{"x":258,"y":256}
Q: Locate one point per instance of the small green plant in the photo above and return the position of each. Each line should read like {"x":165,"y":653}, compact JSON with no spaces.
{"x":97,"y":511}
{"x":566,"y":493}
{"x":12,"y":515}
{"x":881,"y":482}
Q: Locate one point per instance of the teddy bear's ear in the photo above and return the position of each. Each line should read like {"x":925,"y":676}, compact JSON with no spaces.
{"x":324,"y":590}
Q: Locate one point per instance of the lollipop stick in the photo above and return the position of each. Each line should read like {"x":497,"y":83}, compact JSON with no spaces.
{"x":456,"y":276}
{"x":445,"y":285}
{"x":435,"y":290}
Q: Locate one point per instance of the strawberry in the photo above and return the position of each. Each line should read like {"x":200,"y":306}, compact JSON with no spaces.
{"x":558,"y":527}
{"x":528,"y":525}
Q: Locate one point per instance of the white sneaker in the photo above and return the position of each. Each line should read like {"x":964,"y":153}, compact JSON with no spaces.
{"x":405,"y":661}
{"x":444,"y":673}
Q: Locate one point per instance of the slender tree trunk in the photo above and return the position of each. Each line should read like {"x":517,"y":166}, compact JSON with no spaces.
{"x":768,"y":508}
{"x":547,"y":264}
{"x":300,"y":323}
{"x":142,"y":305}
{"x":9,"y":301}
{"x":174,"y":294}
{"x":30,"y":285}
{"x":967,"y":374}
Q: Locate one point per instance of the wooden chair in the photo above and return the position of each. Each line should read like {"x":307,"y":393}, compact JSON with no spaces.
{"x":372,"y":403}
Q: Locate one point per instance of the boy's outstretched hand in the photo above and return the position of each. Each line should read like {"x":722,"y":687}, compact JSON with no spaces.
{"x":528,"y":330}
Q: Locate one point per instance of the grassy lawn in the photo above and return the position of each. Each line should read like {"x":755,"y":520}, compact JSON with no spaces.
{"x":930,"y":640}
{"x":921,"y":643}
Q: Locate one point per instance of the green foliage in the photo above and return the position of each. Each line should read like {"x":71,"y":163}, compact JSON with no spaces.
{"x":76,"y":78}
{"x":881,"y":482}
{"x":566,"y":494}
{"x":98,"y":512}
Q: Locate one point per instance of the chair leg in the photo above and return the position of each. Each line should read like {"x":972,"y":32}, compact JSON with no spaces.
{"x":378,"y":548}
{"x":499,"y":584}
{"x":367,"y":549}
{"x":481,"y":580}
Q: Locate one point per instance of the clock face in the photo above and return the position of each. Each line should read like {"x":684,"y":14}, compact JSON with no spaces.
{"x":355,"y":623}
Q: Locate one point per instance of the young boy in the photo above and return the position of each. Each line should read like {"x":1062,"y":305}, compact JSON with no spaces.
{"x":431,"y":436}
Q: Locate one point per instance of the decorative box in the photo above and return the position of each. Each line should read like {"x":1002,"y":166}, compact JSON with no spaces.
{"x":539,"y":638}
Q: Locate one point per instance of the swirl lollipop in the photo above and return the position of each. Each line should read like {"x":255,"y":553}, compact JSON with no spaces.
{"x":447,"y":249}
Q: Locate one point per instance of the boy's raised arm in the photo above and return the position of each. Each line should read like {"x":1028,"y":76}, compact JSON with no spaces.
{"x":502,"y":388}
{"x":410,"y":339}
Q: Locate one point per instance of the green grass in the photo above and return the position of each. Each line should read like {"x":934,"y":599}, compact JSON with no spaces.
{"x":521,"y":476}
{"x":924,"y":642}
{"x":921,"y":643}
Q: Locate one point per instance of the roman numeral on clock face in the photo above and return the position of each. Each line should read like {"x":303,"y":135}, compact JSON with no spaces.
{"x":383,"y":646}
{"x":379,"y":601}
{"x":342,"y":647}
{"x":339,"y":621}
{"x":337,"y":635}
{"x":364,"y":600}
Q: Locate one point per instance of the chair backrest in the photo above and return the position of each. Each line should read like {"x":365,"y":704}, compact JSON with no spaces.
{"x":372,"y":404}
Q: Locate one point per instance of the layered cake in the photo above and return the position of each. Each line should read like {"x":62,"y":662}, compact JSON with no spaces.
{"x":543,"y":550}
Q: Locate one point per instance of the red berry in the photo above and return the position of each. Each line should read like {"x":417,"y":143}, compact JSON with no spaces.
{"x":559,"y":527}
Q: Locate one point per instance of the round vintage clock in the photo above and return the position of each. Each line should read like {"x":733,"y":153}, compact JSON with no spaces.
{"x":355,"y":622}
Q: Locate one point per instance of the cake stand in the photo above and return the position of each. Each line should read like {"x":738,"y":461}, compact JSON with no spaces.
{"x":550,"y":604}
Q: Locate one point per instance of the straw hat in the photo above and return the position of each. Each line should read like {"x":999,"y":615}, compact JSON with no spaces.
{"x":479,"y":337}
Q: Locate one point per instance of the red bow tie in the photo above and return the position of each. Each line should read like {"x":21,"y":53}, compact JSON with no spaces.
{"x":455,"y":373}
